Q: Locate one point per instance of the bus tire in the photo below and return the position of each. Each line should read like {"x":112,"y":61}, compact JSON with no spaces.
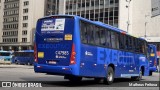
{"x":150,"y":73}
{"x":109,"y":77}
{"x":137,"y":78}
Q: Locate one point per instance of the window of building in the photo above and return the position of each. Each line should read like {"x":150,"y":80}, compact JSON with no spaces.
{"x":96,"y":2}
{"x":25,"y":17}
{"x":87,"y":4}
{"x":9,"y":40}
{"x":25,"y":24}
{"x":26,"y":3}
{"x":25,"y":10}
{"x":48,"y":6}
{"x":24,"y":32}
{"x":83,"y":5}
{"x":101,"y":2}
{"x":24,"y":39}
{"x":111,"y":1}
{"x":116,"y":1}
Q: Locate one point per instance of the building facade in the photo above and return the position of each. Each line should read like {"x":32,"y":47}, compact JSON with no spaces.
{"x":144,"y":20}
{"x":133,"y":16}
{"x":18,"y":21}
{"x":51,"y":7}
{"x":105,"y":11}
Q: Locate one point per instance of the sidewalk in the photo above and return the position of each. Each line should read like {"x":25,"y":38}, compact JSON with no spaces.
{"x":14,"y":66}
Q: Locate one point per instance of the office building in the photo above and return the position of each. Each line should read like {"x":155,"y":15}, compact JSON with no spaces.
{"x":18,"y":21}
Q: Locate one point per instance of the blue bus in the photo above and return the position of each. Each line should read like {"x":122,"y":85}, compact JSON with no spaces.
{"x":75,"y":47}
{"x":5,"y":56}
{"x":25,"y":57}
{"x":152,"y":58}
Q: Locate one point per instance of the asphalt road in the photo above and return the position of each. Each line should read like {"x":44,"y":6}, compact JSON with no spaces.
{"x":26,"y":73}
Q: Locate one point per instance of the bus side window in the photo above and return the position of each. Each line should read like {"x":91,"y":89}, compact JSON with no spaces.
{"x":83,"y":32}
{"x":102,"y":37}
{"x":130,"y":43}
{"x":127,"y":43}
{"x":121,"y":41}
{"x":97,"y":36}
{"x":113,"y":39}
{"x":140,"y":46}
{"x":117,"y":40}
{"x":108,"y":38}
{"x":144,"y":47}
{"x":90,"y":31}
{"x":136,"y":46}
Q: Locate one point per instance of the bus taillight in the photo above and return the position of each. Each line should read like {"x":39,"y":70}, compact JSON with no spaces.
{"x":73,"y":55}
{"x":35,"y":53}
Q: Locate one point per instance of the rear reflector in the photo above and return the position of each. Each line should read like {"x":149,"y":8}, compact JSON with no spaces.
{"x":73,"y":55}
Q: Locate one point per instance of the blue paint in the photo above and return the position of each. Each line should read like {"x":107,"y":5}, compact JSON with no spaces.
{"x":53,"y":46}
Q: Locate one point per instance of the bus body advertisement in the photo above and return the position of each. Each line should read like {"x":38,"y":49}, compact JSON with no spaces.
{"x":76,"y":47}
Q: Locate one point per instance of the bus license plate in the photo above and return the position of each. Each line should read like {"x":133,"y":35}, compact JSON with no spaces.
{"x":52,"y":62}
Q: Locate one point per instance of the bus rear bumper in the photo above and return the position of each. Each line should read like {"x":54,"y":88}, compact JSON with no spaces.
{"x":55,"y":70}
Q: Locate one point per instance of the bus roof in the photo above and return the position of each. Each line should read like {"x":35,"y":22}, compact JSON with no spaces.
{"x":96,"y":23}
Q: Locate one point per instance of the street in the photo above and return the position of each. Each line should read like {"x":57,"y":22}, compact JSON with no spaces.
{"x":26,"y":73}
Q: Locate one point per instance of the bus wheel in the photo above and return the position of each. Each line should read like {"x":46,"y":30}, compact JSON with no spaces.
{"x":75,"y":79}
{"x":110,"y":76}
{"x":150,"y":73}
{"x":137,"y":78}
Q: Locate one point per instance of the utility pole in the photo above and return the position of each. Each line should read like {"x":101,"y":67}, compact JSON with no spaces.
{"x":128,"y":6}
{"x":145,"y":32}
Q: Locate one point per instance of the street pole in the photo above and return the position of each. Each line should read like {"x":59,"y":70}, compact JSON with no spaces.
{"x":128,"y":6}
{"x":145,"y":32}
